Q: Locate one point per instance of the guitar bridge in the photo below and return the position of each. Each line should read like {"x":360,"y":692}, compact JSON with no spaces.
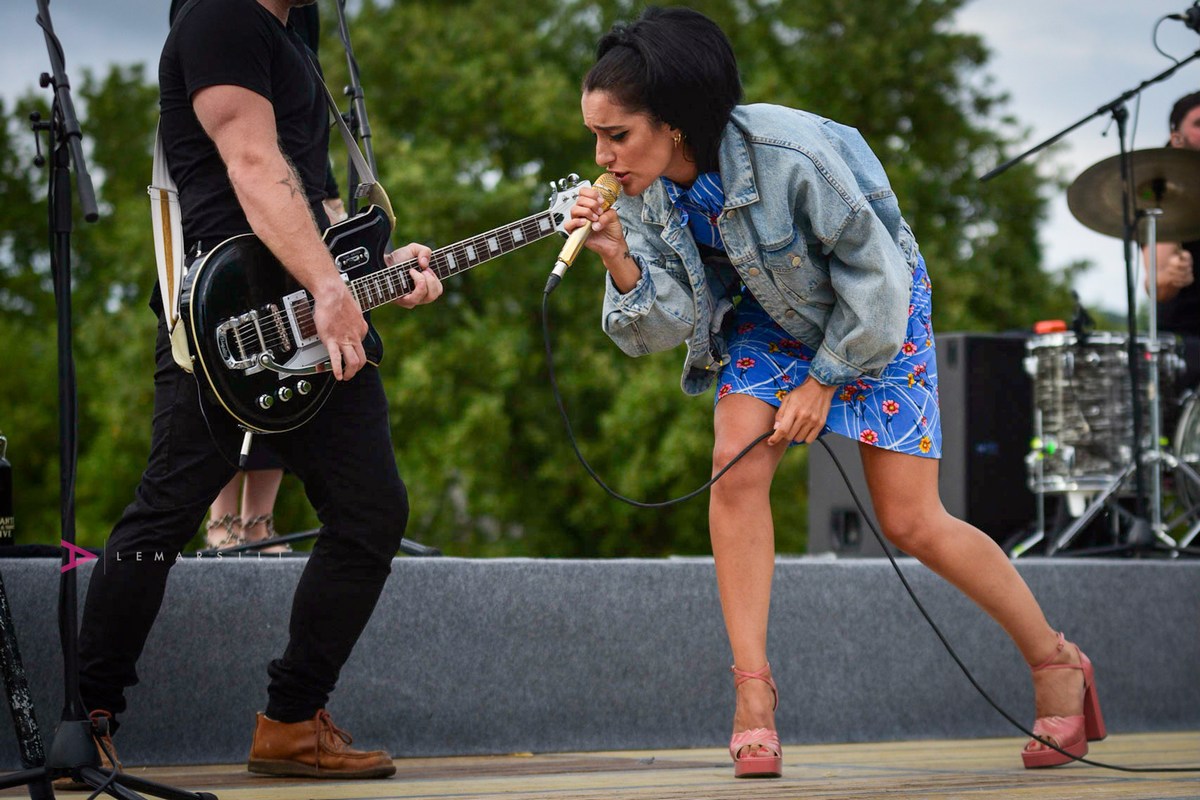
{"x":242,"y":341}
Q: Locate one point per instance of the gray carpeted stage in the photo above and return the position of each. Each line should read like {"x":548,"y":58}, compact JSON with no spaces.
{"x":500,"y":656}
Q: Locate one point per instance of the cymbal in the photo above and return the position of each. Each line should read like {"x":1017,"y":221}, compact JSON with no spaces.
{"x":1169,"y":174}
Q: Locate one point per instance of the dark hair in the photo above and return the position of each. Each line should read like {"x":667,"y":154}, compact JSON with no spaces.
{"x":1183,"y":107}
{"x":676,"y":65}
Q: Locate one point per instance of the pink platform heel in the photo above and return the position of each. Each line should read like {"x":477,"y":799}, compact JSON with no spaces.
{"x":1072,"y":734}
{"x":767,"y":762}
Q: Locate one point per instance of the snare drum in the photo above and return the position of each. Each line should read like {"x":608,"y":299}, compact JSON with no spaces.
{"x":1083,"y":415}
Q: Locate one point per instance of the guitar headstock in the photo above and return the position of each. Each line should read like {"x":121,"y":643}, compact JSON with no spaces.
{"x":563,"y":194}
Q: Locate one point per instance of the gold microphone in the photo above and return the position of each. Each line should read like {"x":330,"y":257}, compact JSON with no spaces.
{"x":609,"y":188}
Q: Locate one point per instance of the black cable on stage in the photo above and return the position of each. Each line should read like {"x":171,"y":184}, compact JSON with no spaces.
{"x":937,"y":631}
{"x":879,"y":536}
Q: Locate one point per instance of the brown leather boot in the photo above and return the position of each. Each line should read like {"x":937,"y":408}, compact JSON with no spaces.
{"x":315,"y":748}
{"x":100,"y":729}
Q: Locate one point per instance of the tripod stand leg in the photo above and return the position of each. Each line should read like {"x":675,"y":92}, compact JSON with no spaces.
{"x":1078,"y":525}
{"x":36,"y":778}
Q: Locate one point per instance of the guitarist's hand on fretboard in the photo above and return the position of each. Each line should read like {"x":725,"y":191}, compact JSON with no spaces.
{"x":427,"y":287}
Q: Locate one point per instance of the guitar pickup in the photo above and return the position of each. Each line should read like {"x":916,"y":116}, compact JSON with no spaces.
{"x":298,"y":306}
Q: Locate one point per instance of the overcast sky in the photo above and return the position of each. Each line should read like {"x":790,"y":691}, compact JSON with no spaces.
{"x":1059,"y":60}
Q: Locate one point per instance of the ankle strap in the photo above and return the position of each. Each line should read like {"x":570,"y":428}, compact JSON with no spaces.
{"x":764,"y":675}
{"x":1049,"y":662}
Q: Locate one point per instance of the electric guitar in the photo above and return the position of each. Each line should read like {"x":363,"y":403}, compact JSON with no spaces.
{"x":250,"y":326}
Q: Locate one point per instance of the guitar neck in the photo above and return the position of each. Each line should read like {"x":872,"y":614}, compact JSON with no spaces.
{"x":385,"y":285}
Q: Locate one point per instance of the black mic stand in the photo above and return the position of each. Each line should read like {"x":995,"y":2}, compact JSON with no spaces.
{"x":356,"y":116}
{"x":1142,"y":533}
{"x":73,"y":751}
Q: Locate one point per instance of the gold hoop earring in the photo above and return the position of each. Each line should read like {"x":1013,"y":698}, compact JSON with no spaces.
{"x":677,"y":138}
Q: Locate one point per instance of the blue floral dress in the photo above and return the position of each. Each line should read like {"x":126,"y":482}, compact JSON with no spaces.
{"x":897,"y":411}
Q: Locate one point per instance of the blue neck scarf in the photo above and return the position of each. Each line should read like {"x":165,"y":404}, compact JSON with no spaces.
{"x":700,"y":206}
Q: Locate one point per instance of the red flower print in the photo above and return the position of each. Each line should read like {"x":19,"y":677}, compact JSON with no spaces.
{"x":786,"y":378}
{"x":920,"y":369}
{"x":745,"y":327}
{"x":861,"y":384}
{"x":745,"y":363}
{"x":924,"y":421}
{"x":725,"y":389}
{"x":911,"y":309}
{"x":890,"y":407}
{"x":909,"y":349}
{"x":847,"y":394}
{"x":868,"y":436}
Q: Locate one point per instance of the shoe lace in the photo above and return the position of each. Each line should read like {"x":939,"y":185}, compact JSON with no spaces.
{"x":325,"y":721}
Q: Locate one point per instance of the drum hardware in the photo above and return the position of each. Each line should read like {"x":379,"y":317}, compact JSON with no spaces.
{"x":1084,"y":445}
{"x":1106,"y":201}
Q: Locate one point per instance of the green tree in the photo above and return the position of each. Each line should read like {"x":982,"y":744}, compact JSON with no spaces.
{"x":474,"y":112}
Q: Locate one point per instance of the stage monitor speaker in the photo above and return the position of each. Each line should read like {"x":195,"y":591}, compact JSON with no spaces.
{"x":986,"y":402}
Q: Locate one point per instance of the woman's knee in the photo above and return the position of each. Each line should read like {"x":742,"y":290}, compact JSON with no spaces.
{"x":752,"y":473}
{"x":912,"y":531}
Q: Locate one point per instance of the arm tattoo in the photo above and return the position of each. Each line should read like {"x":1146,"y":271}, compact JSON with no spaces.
{"x":290,"y":182}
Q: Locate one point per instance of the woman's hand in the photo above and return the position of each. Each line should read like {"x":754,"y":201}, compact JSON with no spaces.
{"x":802,"y":415}
{"x":606,"y":240}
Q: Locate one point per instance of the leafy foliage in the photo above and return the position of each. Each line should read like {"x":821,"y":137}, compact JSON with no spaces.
{"x":473,"y":112}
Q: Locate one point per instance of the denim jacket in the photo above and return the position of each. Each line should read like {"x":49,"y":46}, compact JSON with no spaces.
{"x":813,"y":228}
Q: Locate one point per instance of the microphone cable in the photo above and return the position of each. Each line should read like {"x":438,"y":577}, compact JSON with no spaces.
{"x":562,"y":409}
{"x":878,"y":536}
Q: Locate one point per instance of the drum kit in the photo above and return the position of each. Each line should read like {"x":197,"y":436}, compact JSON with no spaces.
{"x":1105,"y":403}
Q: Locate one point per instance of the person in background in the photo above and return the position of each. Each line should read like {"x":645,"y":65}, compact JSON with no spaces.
{"x":1178,"y":293}
{"x":769,"y":240}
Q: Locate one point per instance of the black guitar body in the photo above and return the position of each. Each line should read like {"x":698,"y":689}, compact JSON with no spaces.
{"x":239,"y":304}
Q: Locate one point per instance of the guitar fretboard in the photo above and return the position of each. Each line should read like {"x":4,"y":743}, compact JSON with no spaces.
{"x":385,"y":285}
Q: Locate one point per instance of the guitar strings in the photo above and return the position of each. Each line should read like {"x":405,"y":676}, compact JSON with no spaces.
{"x":380,"y":287}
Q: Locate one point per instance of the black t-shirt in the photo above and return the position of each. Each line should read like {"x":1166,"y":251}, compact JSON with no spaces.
{"x":238,"y":43}
{"x":1181,"y":314}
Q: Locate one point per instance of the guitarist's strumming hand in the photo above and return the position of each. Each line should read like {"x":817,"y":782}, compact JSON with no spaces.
{"x":427,"y":287}
{"x":340,"y":327}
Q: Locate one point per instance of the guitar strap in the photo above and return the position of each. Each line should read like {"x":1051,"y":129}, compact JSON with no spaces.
{"x":368,"y":186}
{"x":168,"y":249}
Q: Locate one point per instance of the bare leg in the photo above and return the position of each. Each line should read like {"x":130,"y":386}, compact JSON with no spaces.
{"x":223,"y":522}
{"x":743,"y":542}
{"x":905,"y":494}
{"x":258,"y":504}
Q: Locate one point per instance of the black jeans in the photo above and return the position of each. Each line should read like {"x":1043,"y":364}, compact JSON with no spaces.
{"x":344,"y":457}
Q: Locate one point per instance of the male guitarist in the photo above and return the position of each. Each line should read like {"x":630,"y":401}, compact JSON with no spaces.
{"x":245,"y":127}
